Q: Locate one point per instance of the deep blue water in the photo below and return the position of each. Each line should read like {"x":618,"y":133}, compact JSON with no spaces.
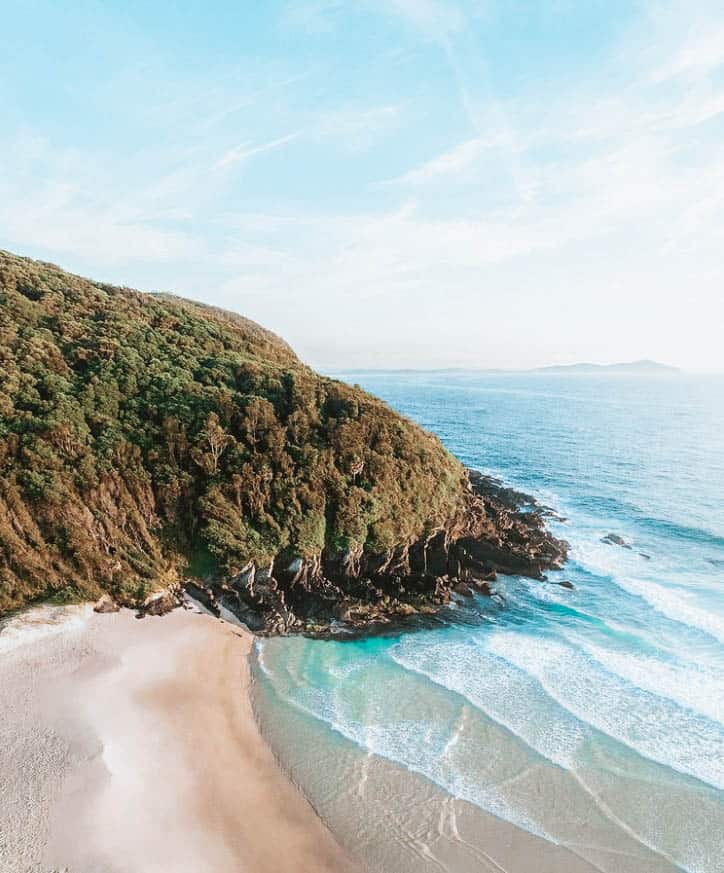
{"x":616,"y":686}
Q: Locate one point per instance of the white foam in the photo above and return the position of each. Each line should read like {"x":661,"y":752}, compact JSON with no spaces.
{"x":421,"y":746}
{"x":652,"y":726}
{"x":696,"y":688}
{"x":602,"y":558}
{"x":500,"y":690}
{"x":634,"y":575}
{"x":677,"y":604}
{"x":40,"y":623}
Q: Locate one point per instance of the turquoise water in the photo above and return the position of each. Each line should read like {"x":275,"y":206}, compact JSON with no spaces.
{"x":605,"y":703}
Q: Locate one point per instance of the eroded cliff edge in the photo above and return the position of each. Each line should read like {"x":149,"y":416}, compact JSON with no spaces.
{"x":148,"y":442}
{"x":499,"y":530}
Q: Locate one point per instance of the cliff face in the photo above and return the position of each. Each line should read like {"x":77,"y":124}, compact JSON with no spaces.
{"x":498,"y":530}
{"x":146,"y":440}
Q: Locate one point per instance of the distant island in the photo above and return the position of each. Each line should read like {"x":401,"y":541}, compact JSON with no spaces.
{"x":647,"y":368}
{"x":633,"y":368}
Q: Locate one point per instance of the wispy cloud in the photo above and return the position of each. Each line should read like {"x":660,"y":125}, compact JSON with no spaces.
{"x":701,"y":51}
{"x":452,"y":163}
{"x":356,"y":127}
{"x":433,"y":18}
{"x":599,"y":199}
{"x":243,"y":152}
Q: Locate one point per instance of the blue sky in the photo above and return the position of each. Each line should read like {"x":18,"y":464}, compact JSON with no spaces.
{"x":384,"y":182}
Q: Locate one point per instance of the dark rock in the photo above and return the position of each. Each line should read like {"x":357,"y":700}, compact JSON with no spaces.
{"x":253,"y":620}
{"x":613,"y":539}
{"x":204,"y":594}
{"x":106,"y":604}
{"x":566,"y":583}
{"x":264,"y":574}
{"x":162,"y":602}
{"x":348,"y":593}
{"x":244,"y":581}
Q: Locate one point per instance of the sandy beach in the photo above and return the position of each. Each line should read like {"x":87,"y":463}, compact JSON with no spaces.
{"x":130,"y":746}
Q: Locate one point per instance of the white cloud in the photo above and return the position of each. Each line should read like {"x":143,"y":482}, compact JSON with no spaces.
{"x":450,"y":163}
{"x":434,"y":18}
{"x":603,"y":204}
{"x":358,"y":128}
{"x":701,"y":51}
{"x":246,"y":150}
{"x":51,"y":220}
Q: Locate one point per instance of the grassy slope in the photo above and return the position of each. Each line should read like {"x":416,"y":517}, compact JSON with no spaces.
{"x":140,"y":433}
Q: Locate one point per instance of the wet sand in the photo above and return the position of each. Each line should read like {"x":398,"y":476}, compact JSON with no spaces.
{"x":130,"y":746}
{"x":395,"y":820}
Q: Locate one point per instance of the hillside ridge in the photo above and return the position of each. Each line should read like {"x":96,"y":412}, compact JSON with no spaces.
{"x":147,"y":441}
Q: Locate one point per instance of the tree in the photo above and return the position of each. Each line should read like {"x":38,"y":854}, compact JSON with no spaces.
{"x":212,"y":443}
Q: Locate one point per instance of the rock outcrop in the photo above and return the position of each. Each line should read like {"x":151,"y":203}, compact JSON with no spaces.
{"x":105,"y":605}
{"x":163,"y":601}
{"x":500,"y":531}
{"x":613,"y":539}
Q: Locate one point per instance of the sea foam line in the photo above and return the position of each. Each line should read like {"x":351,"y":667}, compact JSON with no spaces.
{"x":675,"y":606}
{"x":691,"y":688}
{"x":656,"y":728}
{"x":389,"y":743}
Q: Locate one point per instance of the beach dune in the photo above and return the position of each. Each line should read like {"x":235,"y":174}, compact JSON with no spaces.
{"x":130,"y":746}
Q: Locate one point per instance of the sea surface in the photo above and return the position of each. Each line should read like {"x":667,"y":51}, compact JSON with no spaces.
{"x":592,"y":719}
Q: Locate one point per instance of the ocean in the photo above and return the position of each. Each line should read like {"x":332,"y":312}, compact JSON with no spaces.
{"x":589,"y":721}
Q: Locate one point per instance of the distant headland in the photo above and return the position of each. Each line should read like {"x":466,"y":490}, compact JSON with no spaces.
{"x":642,"y":367}
{"x":645,"y":367}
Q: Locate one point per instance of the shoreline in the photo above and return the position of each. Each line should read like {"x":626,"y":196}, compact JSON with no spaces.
{"x":393,"y":817}
{"x":150,"y":746}
{"x":131,"y":746}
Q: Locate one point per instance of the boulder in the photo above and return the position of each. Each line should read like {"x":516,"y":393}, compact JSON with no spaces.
{"x":106,"y":604}
{"x":161,"y":602}
{"x":613,"y":539}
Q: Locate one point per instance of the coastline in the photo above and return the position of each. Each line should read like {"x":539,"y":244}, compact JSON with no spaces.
{"x":393,"y":817}
{"x":131,"y":747}
{"x":147,"y":746}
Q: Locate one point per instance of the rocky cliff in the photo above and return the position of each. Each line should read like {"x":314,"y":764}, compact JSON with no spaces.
{"x":499,"y":530}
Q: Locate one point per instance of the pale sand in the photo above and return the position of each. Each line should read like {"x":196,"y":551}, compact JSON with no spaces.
{"x":130,"y":746}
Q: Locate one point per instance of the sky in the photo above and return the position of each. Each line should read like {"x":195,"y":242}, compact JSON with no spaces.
{"x":384,"y":183}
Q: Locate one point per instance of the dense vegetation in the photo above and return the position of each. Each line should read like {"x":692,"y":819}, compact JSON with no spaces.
{"x":141,"y":435}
